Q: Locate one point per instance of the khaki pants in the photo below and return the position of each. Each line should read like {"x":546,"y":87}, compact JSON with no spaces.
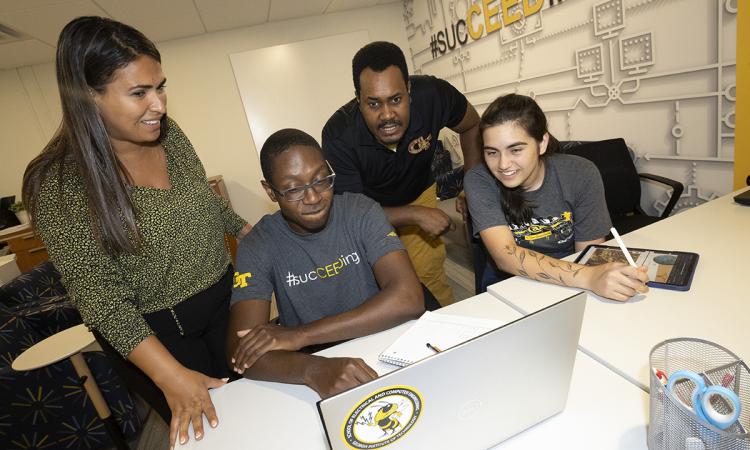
{"x":427,"y":254}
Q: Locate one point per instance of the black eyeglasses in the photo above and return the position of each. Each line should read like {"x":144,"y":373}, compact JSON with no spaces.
{"x":296,"y":194}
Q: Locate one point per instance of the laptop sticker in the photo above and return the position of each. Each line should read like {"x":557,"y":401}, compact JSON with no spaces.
{"x":382,"y":417}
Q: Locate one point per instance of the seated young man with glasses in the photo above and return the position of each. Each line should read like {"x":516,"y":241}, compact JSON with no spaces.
{"x":335,"y":264}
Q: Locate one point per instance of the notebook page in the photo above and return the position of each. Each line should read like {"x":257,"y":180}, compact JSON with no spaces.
{"x":440,"y":330}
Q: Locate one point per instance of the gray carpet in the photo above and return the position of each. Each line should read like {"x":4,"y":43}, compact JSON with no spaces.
{"x":155,"y":434}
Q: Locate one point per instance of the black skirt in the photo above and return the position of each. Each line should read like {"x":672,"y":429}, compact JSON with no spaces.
{"x":194,"y":332}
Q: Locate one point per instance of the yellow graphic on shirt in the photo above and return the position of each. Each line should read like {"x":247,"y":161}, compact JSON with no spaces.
{"x":323,"y":272}
{"x":554,"y":228}
{"x":240,"y":279}
{"x":392,"y":234}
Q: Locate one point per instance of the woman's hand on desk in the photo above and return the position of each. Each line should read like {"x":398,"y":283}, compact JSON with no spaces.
{"x":329,"y":376}
{"x":259,"y":340}
{"x":188,"y":399}
{"x":617,"y":281}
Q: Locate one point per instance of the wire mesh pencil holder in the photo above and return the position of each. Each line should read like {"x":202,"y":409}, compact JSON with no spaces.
{"x":673,"y":423}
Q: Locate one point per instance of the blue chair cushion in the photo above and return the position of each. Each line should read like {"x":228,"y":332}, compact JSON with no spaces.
{"x":48,"y":407}
{"x":41,"y":282}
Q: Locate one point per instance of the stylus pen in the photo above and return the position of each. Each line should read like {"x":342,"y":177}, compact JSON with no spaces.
{"x":622,"y":246}
{"x":433,"y":348}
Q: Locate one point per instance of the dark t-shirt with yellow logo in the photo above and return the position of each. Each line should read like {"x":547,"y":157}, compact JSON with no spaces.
{"x":569,"y":206}
{"x":320,"y":274}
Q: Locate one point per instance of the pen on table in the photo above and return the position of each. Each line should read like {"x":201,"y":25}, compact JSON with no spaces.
{"x":624,"y":249}
{"x":433,"y":348}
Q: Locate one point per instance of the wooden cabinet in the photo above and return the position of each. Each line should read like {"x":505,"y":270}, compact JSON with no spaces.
{"x":217,"y":184}
{"x":28,"y":247}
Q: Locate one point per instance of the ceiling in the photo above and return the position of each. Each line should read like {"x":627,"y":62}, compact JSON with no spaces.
{"x":29,"y":28}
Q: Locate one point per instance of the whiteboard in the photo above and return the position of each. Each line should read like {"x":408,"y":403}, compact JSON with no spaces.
{"x":297,"y":85}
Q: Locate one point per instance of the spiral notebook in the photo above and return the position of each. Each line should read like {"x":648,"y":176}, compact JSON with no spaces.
{"x":442,"y":331}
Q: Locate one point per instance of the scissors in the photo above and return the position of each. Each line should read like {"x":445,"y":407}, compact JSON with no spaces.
{"x":701,"y":399}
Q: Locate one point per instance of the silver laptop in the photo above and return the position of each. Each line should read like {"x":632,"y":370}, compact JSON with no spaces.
{"x":471,"y":396}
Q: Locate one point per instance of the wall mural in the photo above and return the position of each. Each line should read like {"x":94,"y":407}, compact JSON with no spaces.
{"x":659,"y":73}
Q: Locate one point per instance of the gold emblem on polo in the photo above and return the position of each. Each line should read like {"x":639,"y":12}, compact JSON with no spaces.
{"x":419,"y":144}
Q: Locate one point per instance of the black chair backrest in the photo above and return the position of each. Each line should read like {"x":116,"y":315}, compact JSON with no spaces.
{"x":622,"y":187}
{"x":7,"y":217}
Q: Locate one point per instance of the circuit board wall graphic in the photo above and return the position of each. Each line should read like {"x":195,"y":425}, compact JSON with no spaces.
{"x":659,"y":73}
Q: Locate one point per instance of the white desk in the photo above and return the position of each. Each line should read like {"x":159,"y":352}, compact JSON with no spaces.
{"x":604,"y":411}
{"x":65,"y":344}
{"x":281,"y":416}
{"x":716,"y":308}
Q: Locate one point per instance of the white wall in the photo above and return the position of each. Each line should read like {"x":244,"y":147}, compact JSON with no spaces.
{"x":22,"y":133}
{"x":325,"y":83}
{"x":677,"y":114}
{"x":202,"y":97}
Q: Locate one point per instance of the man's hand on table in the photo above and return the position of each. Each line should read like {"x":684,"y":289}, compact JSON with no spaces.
{"x":329,"y":376}
{"x":262,"y":339}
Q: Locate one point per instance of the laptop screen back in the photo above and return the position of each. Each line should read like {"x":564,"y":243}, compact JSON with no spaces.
{"x":474,"y":395}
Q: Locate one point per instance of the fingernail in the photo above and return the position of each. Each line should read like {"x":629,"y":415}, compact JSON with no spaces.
{"x":214,"y":423}
{"x":183,"y":440}
{"x":225,"y":379}
{"x":198,"y":436}
{"x":246,"y":366}
{"x":232,"y":360}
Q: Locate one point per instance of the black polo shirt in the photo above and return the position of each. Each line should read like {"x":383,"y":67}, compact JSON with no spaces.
{"x":362,"y":164}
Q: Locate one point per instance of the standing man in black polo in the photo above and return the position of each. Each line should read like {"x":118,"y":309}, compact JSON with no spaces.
{"x":382,"y":144}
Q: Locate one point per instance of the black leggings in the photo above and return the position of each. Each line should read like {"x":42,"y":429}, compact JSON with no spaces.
{"x":194,"y":332}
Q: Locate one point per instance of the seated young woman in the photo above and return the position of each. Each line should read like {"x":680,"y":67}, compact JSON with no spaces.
{"x":532,"y":206}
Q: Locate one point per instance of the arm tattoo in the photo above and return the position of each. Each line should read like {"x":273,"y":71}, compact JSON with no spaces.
{"x":551,"y":271}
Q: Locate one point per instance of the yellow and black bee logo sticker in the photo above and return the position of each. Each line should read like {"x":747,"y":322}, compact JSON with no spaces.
{"x":382,"y":418}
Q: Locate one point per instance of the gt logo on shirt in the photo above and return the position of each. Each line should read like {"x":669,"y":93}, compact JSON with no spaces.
{"x":240,"y":279}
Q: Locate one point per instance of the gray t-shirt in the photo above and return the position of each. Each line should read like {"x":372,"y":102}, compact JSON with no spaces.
{"x":320,"y":274}
{"x":568,"y":207}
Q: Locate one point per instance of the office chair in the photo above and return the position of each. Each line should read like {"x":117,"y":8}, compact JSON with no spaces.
{"x":622,"y":187}
{"x":449,"y":180}
{"x":7,"y":217}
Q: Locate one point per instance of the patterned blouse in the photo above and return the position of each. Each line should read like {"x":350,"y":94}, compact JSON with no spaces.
{"x":182,"y":253}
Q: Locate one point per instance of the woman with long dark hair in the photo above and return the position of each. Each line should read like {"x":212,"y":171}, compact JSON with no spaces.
{"x":532,"y":206}
{"x":122,"y":203}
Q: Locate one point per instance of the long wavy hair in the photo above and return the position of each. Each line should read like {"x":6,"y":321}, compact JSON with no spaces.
{"x":524,"y":112}
{"x":89,"y":51}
